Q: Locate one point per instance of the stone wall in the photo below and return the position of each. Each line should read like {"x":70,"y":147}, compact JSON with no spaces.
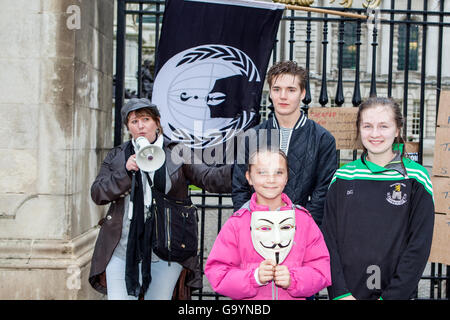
{"x":55,"y":119}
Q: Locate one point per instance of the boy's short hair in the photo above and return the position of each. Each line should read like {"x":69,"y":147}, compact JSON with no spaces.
{"x":287,"y":67}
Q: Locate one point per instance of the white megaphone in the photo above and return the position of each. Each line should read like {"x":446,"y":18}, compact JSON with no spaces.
{"x":149,"y":157}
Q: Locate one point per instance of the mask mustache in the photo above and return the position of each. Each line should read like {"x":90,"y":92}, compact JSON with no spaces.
{"x":279,"y":245}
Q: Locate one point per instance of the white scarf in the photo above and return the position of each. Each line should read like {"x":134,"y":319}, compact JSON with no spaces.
{"x":147,"y":190}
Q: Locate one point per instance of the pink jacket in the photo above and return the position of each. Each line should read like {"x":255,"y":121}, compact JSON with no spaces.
{"x":232,"y":261}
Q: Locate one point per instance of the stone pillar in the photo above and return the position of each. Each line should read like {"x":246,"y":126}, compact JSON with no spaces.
{"x":56,"y":127}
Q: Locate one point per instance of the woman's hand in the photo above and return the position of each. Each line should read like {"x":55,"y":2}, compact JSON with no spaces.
{"x":131,"y":164}
{"x":266,"y":271}
{"x":282,"y":277}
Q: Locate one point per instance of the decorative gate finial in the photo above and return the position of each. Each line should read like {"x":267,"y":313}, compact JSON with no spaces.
{"x":345,"y":3}
{"x":304,"y":3}
{"x":372,"y":4}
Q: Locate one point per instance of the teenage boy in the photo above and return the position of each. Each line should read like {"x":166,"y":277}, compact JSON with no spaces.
{"x":311,"y":149}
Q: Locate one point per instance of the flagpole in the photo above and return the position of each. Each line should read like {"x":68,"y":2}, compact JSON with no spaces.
{"x":326,"y":11}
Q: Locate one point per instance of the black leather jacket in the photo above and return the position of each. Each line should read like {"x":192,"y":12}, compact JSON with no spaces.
{"x":113,"y":183}
{"x":312,"y":162}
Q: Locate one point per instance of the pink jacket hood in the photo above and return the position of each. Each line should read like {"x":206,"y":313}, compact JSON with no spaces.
{"x":232,"y":261}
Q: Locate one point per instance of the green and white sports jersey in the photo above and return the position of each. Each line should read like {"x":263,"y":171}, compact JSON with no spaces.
{"x":378,"y":223}
{"x":392,"y":172}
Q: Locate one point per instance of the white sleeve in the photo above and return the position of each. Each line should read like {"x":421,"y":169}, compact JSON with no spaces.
{"x":257,"y":278}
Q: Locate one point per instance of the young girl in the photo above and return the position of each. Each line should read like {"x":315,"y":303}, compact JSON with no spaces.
{"x":235,"y":266}
{"x":379,"y":213}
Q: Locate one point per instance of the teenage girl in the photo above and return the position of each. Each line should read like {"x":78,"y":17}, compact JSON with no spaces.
{"x":379,"y":213}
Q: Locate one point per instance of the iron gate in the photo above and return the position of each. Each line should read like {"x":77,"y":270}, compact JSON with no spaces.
{"x":342,"y":55}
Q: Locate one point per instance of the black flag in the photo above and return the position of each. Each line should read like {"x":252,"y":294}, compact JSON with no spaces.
{"x":210,"y":67}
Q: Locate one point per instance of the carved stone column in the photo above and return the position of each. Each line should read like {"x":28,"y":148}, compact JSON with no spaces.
{"x":55,"y":120}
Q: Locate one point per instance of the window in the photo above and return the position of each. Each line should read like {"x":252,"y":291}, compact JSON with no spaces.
{"x":415,"y":121}
{"x":413,"y":47}
{"x":349,"y":49}
{"x":151,"y":18}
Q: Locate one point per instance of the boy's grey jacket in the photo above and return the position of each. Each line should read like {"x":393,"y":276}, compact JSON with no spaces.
{"x":312,"y":162}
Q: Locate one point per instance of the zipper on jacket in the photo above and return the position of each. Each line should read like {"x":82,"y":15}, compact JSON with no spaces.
{"x":277,"y":259}
{"x":185,"y":216}
{"x":168,"y":231}
{"x":156,"y":219}
{"x":274,"y":291}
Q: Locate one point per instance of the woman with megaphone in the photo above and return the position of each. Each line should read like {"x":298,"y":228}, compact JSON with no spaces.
{"x":149,"y":234}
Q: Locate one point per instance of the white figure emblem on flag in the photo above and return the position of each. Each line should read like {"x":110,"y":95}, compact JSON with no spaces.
{"x":190,"y":91}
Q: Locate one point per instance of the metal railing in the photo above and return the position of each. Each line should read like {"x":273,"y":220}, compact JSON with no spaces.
{"x":434,"y":283}
{"x":326,"y":71}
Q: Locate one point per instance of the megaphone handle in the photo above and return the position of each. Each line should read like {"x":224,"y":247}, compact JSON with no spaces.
{"x":130,"y":206}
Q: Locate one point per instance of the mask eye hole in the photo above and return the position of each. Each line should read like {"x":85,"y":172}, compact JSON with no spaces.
{"x":287,"y":227}
{"x":264,"y":228}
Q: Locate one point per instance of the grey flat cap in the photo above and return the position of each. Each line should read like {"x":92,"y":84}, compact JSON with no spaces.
{"x":135,"y":104}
